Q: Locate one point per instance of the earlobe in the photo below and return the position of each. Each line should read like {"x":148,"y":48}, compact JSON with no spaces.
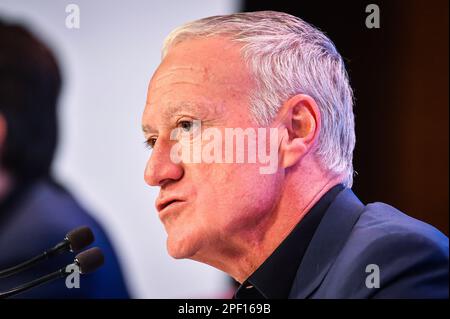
{"x":292,"y":151}
{"x":301,"y":124}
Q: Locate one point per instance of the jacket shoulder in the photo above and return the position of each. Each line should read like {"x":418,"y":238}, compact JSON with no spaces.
{"x":410,"y":256}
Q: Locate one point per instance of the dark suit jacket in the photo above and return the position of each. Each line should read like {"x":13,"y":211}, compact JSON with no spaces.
{"x":37,"y":220}
{"x":412,"y":257}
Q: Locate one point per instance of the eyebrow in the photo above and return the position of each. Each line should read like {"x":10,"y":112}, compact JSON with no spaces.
{"x":171,"y":110}
{"x":147,"y":129}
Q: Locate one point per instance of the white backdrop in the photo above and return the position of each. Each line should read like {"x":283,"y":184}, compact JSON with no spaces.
{"x":107,"y":64}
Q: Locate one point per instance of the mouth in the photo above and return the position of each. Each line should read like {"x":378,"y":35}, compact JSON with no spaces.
{"x":160,"y":206}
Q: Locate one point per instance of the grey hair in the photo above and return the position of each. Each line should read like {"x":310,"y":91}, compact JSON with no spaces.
{"x":288,"y":56}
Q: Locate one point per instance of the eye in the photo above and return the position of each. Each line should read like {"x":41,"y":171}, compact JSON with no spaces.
{"x":150,"y":142}
{"x":186,"y":129}
{"x":185,"y":125}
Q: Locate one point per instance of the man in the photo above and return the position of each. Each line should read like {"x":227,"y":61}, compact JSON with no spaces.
{"x":35,"y":211}
{"x":297,"y":231}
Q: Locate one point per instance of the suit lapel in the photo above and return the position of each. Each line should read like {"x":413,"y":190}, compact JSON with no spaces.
{"x":326,"y":243}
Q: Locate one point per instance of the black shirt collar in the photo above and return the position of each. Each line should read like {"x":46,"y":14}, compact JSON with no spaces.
{"x":274,"y":278}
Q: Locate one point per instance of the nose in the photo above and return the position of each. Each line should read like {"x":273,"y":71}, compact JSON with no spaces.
{"x":160,"y":168}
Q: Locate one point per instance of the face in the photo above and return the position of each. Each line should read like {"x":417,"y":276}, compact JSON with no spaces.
{"x":205,"y":207}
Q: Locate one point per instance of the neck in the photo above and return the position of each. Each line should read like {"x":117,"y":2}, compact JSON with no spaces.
{"x":300,"y":192}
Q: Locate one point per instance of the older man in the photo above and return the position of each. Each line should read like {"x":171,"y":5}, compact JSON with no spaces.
{"x":297,"y":231}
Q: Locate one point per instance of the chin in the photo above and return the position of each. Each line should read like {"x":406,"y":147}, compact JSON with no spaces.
{"x":181,"y":248}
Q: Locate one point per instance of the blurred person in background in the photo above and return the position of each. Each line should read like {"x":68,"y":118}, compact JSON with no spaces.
{"x":35,"y":210}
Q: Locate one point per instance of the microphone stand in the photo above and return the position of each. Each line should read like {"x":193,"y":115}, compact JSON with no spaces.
{"x":86,"y":261}
{"x":59,"y":248}
{"x":61,"y":273}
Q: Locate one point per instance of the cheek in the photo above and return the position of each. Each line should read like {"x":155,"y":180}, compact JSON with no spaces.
{"x":235,"y":194}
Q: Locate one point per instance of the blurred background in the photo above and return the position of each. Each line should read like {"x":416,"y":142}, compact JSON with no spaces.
{"x":399,"y":73}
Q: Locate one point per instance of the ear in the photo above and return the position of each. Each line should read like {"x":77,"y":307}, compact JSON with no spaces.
{"x":301,"y":121}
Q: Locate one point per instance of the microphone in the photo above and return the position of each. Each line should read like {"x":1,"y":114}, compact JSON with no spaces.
{"x":75,"y":241}
{"x":88,"y":261}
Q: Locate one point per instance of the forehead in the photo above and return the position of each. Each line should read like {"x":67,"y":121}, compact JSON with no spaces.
{"x":202,"y":60}
{"x":199,"y":73}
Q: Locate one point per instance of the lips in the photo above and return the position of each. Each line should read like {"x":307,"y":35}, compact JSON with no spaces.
{"x":166,"y":202}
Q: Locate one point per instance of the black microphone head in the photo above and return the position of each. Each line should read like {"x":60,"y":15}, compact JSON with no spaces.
{"x":79,"y":238}
{"x":90,"y":260}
